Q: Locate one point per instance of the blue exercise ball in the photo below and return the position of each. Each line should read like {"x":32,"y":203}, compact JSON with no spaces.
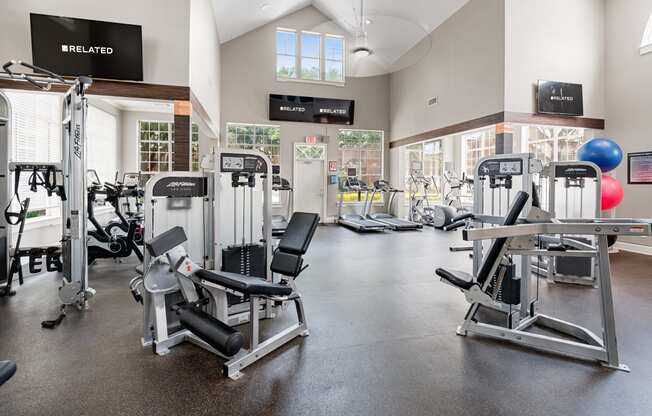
{"x":603,"y":152}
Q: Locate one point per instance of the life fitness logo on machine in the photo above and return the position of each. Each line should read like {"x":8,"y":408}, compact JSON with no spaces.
{"x":180,"y":187}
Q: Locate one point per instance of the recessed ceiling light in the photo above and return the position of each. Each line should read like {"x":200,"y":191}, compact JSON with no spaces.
{"x":264,"y":6}
{"x":369,"y":21}
{"x":362,"y":52}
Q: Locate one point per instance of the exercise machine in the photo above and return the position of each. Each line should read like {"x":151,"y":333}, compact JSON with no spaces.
{"x":420,"y":210}
{"x":570,"y":190}
{"x":104,"y":242}
{"x":507,"y":233}
{"x":202,"y":313}
{"x":216,"y":217}
{"x":492,"y":285}
{"x":356,"y":222}
{"x":445,"y":213}
{"x":74,"y":289}
{"x":383,"y":188}
{"x":281,"y":185}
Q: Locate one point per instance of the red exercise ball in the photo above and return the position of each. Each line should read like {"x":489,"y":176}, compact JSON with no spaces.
{"x":612,"y":192}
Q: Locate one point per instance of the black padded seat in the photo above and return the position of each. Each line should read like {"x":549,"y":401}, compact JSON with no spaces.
{"x":7,"y":370}
{"x":464,"y":280}
{"x":247,"y":285}
{"x":457,"y":278}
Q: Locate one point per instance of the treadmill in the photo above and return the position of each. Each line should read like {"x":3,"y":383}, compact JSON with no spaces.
{"x":397,"y":224}
{"x":356,"y":222}
{"x":280,"y":222}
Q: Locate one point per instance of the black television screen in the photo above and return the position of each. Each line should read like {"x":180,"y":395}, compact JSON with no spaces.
{"x":71,"y":46}
{"x":560,"y":98}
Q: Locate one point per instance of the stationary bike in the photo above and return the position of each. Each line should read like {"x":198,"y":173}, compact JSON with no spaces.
{"x":102,"y":244}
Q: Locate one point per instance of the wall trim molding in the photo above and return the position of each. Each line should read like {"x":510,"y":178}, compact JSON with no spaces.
{"x":634,"y":248}
{"x":497,"y":118}
{"x":115,"y":88}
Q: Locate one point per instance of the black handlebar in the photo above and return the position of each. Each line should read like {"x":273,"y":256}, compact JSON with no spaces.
{"x":464,"y":216}
{"x":455,"y":225}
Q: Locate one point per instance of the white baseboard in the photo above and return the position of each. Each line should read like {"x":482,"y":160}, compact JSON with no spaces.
{"x":634,"y":248}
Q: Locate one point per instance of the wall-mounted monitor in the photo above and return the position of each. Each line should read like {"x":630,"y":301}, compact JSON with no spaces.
{"x":559,"y":98}
{"x":71,"y":46}
{"x":639,"y":168}
{"x":310,"y":109}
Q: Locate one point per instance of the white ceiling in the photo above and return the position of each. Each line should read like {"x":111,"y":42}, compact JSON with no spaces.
{"x":148,"y":106}
{"x":237,"y":17}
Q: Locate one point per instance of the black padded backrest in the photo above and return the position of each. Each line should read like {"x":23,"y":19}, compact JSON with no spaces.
{"x":296,"y":239}
{"x":496,"y":247}
{"x":166,"y":241}
{"x":299,"y":233}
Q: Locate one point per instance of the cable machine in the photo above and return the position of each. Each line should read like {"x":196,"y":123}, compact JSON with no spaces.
{"x":74,"y":289}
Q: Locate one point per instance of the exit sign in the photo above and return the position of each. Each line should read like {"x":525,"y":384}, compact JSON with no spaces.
{"x":311,"y":139}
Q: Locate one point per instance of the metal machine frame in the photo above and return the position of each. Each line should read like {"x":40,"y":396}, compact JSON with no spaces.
{"x":490,"y":205}
{"x":577,"y":175}
{"x":74,"y":289}
{"x":521,"y":241}
{"x":156,"y":288}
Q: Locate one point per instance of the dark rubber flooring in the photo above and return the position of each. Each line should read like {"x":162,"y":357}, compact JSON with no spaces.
{"x":382,"y":343}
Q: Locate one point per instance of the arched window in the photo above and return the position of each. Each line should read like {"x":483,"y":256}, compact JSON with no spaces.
{"x":646,"y":42}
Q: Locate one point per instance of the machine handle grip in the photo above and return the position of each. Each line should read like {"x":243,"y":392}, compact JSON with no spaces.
{"x":454,"y":226}
{"x":463,"y":217}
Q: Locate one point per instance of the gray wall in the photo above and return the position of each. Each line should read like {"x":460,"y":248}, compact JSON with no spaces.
{"x":556,"y":40}
{"x":165,"y":30}
{"x":205,"y":61}
{"x":249,"y":76}
{"x":464,"y":68}
{"x":629,"y":92}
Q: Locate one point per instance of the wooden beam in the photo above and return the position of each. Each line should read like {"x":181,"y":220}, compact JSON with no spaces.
{"x":182,"y":126}
{"x":549,"y":120}
{"x":504,"y":119}
{"x":115,"y":89}
{"x":477,"y":123}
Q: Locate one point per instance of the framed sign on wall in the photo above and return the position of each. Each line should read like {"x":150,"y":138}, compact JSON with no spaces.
{"x":559,"y":98}
{"x":639,"y":168}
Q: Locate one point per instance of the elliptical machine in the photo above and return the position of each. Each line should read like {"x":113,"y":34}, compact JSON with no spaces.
{"x":100,"y":242}
{"x":451,"y":207}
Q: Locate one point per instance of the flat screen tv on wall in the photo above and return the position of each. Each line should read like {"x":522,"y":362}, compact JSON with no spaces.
{"x":559,"y":98}
{"x":71,"y":46}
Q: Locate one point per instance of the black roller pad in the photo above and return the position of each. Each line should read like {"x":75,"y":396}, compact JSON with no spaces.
{"x":214,"y":332}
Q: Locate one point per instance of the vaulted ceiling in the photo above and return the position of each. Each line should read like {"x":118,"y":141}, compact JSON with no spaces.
{"x":237,"y":17}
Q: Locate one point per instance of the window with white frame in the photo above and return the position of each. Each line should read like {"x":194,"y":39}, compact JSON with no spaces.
{"x":36,"y":137}
{"x":646,"y":42}
{"x":475,"y":146}
{"x":333,"y":58}
{"x":156,"y":146}
{"x":102,"y":152}
{"x":309,"y":56}
{"x":552,"y":144}
{"x":266,"y":139}
{"x":430,"y":156}
{"x":194,"y":148}
{"x":363,"y":150}
{"x":286,"y":53}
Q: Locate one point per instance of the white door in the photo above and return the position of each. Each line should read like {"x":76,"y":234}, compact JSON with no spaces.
{"x":309,"y":178}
